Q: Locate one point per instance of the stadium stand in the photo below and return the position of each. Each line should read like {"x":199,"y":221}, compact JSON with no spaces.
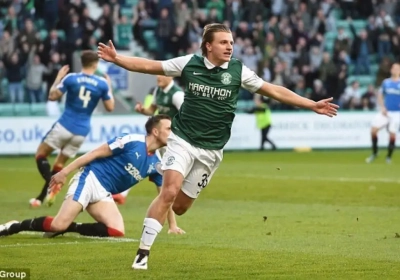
{"x":316,"y":48}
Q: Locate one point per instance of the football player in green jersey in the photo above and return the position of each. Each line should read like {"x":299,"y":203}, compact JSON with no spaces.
{"x":167,"y":98}
{"x":203,"y":124}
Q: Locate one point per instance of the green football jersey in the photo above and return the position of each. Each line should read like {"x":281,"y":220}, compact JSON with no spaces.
{"x":164,"y":99}
{"x":211,"y":93}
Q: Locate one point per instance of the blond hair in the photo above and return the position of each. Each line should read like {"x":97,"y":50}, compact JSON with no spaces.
{"x":208,"y":34}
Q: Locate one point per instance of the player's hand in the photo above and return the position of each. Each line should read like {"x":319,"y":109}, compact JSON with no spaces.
{"x":139,"y":107}
{"x":57,"y":181}
{"x":325,"y":107}
{"x":384,"y":111}
{"x":108,"y":53}
{"x":62,"y":72}
{"x":176,"y":230}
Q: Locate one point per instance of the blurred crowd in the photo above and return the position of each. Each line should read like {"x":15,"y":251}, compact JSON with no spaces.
{"x":38,"y":37}
{"x":284,"y":41}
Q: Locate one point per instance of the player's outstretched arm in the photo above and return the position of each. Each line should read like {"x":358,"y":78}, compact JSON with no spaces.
{"x":284,"y":95}
{"x":102,"y":151}
{"x":134,"y":64}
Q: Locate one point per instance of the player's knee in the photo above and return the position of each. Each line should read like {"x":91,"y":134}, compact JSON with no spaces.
{"x":392,"y":137}
{"x":168,"y":196}
{"x":179,"y":209}
{"x":182,"y":203}
{"x":169,"y":193}
{"x":58,"y":225}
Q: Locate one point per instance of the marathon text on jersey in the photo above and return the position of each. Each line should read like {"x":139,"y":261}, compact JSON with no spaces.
{"x":211,"y":92}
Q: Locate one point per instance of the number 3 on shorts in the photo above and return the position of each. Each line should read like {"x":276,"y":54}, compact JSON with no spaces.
{"x":204,"y":182}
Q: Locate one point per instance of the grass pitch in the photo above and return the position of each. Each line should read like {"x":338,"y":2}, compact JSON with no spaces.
{"x":272,"y":215}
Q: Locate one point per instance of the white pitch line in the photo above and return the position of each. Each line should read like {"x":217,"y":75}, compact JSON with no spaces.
{"x":314,"y":178}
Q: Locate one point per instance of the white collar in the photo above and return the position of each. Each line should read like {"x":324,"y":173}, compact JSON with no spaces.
{"x":209,"y":65}
{"x":167,"y":88}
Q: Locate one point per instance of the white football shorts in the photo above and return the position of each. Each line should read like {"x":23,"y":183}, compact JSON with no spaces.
{"x":59,"y":138}
{"x":391,"y":121}
{"x":86,"y":189}
{"x":195,"y":164}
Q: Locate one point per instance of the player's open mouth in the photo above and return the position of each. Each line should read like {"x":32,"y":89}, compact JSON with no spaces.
{"x":228,"y":53}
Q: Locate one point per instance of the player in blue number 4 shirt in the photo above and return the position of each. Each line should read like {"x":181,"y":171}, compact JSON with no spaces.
{"x":83,"y":92}
{"x":112,"y":168}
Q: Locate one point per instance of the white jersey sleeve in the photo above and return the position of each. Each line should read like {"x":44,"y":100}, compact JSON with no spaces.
{"x":250,"y":80}
{"x":173,"y":67}
{"x":177,"y":99}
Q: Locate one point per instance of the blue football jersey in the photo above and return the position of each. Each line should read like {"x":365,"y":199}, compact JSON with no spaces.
{"x":83,"y":94}
{"x":129,"y":164}
{"x":391,"y":93}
